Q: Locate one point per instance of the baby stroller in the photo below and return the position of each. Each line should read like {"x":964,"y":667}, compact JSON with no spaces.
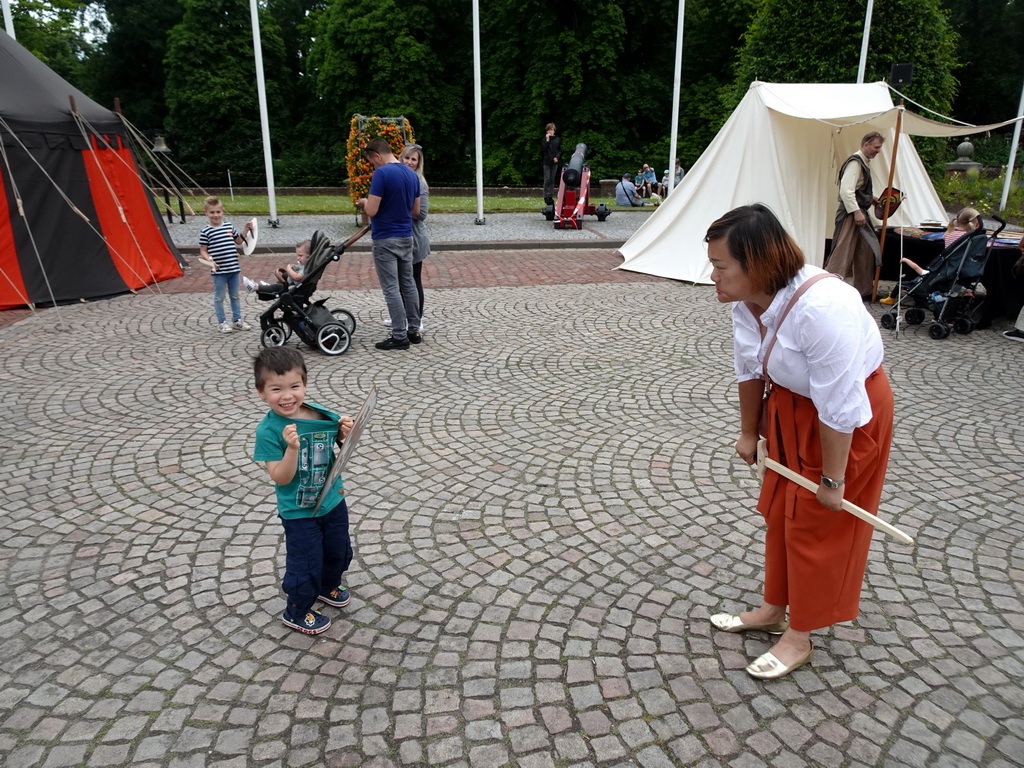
{"x":948,"y":288}
{"x":330,"y":331}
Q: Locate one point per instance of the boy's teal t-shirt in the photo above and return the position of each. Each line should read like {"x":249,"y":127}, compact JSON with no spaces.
{"x":316,"y":456}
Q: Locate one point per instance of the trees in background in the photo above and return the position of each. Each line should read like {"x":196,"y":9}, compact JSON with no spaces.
{"x":602,"y":70}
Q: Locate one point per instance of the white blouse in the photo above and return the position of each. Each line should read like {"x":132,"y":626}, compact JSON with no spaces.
{"x":826,"y":348}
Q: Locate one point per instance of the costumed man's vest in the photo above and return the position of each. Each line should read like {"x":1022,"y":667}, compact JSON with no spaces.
{"x":863,"y":191}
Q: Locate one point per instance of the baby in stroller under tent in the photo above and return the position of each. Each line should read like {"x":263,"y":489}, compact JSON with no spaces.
{"x":948,"y":286}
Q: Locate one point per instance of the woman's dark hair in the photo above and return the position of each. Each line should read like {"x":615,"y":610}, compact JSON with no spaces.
{"x":767,"y":254}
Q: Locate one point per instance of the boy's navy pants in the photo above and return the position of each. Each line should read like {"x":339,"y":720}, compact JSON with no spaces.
{"x":318,"y":551}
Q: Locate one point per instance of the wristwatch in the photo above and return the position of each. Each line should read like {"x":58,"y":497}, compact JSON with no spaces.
{"x":828,"y":482}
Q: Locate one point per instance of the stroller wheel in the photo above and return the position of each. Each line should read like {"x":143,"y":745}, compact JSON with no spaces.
{"x":914,"y":316}
{"x":274,"y":336}
{"x":888,"y":321}
{"x":346,"y":318}
{"x":333,"y":339}
{"x":938,"y":330}
{"x":963,"y":325}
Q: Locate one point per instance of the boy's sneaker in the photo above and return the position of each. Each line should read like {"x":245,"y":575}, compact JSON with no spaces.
{"x":392,"y":343}
{"x":250,"y":285}
{"x":241,"y":325}
{"x":338,"y":597}
{"x":386,"y":321}
{"x":312,"y":623}
{"x":1014,"y":335}
{"x":414,"y":337}
{"x":225,"y":327}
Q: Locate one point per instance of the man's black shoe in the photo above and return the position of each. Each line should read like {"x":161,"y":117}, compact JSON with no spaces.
{"x":415,"y":337}
{"x":392,"y":343}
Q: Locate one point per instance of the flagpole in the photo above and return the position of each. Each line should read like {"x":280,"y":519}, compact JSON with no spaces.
{"x":677,"y":79}
{"x":1013,"y":154}
{"x":478,"y":109}
{"x":261,"y":89}
{"x":8,"y":19}
{"x":864,"y":42}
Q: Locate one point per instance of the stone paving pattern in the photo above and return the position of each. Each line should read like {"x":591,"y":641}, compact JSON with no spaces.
{"x":545,"y":512}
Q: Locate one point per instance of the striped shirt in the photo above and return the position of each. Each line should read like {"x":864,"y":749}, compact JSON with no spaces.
{"x":220,"y":244}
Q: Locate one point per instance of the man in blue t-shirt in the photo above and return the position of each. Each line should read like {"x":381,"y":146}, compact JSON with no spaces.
{"x":391,"y":205}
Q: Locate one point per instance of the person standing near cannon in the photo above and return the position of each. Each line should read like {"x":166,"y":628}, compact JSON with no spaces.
{"x":550,"y":152}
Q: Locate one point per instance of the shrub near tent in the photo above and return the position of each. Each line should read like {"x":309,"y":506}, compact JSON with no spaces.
{"x":396,"y":131}
{"x":76,"y":221}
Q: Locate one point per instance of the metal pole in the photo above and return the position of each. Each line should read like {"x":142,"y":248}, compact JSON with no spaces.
{"x":1013,"y":154}
{"x":479,"y":115}
{"x":261,"y":89}
{"x":677,"y":79}
{"x":864,"y":42}
{"x":8,"y":19}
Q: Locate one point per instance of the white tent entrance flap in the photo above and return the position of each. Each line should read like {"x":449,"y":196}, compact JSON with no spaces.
{"x":783,"y":146}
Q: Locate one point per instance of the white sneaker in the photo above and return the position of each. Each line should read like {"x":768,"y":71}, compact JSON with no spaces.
{"x":225,"y":327}
{"x":386,"y":321}
{"x":241,"y":325}
{"x":250,"y":285}
{"x":422,"y":326}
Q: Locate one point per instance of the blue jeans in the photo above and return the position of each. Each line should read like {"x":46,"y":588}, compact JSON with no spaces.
{"x":392,"y":256}
{"x":318,"y":551}
{"x":229,"y":282}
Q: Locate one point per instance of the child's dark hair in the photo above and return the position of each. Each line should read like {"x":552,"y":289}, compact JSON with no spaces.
{"x":277,"y":360}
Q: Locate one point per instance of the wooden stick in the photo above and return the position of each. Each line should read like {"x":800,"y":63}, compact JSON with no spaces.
{"x":764,"y":462}
{"x":885,"y":214}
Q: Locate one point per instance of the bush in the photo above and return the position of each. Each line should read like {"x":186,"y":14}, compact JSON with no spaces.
{"x":958,"y":190}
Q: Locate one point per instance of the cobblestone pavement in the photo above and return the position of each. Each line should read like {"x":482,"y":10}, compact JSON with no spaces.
{"x":545,"y":512}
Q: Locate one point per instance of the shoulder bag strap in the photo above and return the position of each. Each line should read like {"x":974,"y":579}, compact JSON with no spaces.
{"x":792,"y":302}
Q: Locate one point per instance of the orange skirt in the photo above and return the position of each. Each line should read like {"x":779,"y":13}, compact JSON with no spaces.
{"x":814,"y":557}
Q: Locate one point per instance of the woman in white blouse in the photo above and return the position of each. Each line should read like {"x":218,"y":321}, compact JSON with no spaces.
{"x":828,"y":416}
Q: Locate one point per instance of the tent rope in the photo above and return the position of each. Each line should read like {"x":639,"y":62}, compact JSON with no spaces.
{"x":937,"y":114}
{"x":82,"y":123}
{"x":31,"y":237}
{"x":140,"y":141}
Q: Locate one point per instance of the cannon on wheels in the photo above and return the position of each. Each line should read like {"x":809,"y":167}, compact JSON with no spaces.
{"x":573,"y":201}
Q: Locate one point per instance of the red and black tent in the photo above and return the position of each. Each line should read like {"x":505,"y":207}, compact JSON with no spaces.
{"x":76,"y":221}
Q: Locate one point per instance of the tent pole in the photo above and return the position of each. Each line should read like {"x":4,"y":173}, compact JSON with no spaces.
{"x":1013,"y":154}
{"x":885,"y":215}
{"x":677,"y":78}
{"x":261,"y":89}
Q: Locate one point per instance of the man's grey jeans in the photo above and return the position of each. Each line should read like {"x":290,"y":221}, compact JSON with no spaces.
{"x":392,"y":257}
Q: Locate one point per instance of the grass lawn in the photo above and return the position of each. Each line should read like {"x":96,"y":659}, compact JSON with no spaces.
{"x":259,"y":205}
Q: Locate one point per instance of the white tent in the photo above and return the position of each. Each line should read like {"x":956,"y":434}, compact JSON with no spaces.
{"x":783,"y":146}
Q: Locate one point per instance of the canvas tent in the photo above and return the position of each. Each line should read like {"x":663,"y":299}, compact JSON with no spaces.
{"x":783,"y":146}
{"x":52,"y":164}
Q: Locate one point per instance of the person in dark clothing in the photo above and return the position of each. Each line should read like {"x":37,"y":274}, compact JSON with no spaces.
{"x":550,"y":152}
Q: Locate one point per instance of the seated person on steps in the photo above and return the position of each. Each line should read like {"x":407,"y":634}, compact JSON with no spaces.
{"x":626,"y":193}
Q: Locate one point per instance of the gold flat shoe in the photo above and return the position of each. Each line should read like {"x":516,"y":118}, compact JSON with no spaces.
{"x":768,"y":667}
{"x":730,"y":622}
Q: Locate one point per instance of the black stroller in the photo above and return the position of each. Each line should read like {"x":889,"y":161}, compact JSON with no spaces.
{"x":948,"y":288}
{"x":330,"y":331}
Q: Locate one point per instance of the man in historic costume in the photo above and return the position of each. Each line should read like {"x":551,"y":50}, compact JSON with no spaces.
{"x":855,"y":247}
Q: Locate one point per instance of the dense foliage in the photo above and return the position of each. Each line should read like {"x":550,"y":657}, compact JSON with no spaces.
{"x":395,"y":131}
{"x":601,"y":70}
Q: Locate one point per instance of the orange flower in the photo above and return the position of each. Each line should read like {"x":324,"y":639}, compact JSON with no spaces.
{"x":362,"y":131}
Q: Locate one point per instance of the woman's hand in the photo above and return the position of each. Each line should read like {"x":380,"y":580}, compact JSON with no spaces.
{"x":830,"y":498}
{"x":746,"y":448}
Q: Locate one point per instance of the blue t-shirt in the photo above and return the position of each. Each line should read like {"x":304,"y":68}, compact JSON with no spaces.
{"x":316,"y":457}
{"x":397,"y":186}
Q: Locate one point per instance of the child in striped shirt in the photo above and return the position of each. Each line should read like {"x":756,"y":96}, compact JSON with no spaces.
{"x":218,"y":247}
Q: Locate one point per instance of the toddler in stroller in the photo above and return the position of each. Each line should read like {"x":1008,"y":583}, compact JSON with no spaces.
{"x":947,"y":287}
{"x":292,"y":310}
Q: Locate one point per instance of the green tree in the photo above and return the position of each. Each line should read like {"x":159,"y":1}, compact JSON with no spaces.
{"x":211,"y":90}
{"x":384,"y":58}
{"x":791,"y":42}
{"x":129,"y":63}
{"x":55,"y":31}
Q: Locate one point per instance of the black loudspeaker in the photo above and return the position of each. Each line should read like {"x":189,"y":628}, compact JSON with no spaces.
{"x":901,"y":75}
